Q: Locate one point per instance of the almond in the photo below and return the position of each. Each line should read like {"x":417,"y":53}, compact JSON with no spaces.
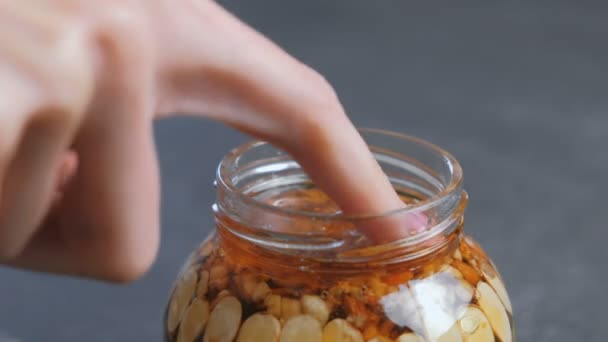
{"x":498,"y":286}
{"x":219,"y":296}
{"x":316,"y":307}
{"x":469,"y":273}
{"x":475,"y":326}
{"x":247,"y":284}
{"x":260,"y":291}
{"x":302,"y":328}
{"x":339,"y":330}
{"x":409,"y":337}
{"x":182,"y":294}
{"x":452,"y":335}
{"x":380,"y":339}
{"x":273,"y":305}
{"x":224,"y":320}
{"x":456,"y":274}
{"x":260,"y":328}
{"x":194,"y":320}
{"x":458,"y":255}
{"x":495,"y":311}
{"x":218,"y":277}
{"x":203,"y":284}
{"x":290,"y":307}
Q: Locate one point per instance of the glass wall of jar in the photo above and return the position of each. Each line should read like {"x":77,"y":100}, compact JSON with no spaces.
{"x":284,"y":264}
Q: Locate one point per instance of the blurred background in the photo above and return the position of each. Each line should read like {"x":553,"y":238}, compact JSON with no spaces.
{"x":517,"y":91}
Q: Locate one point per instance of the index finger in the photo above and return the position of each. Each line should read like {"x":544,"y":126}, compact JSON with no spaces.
{"x":235,"y":75}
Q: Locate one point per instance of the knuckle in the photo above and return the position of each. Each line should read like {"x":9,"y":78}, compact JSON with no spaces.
{"x":130,"y":269}
{"x":130,"y":262}
{"x":52,"y":120}
{"x":323,"y":106}
{"x":70,"y":73}
{"x":125,"y":47}
{"x":324,"y":94}
{"x":9,"y":252}
{"x":121,"y":29}
{"x":53,"y":56}
{"x":319,"y":113}
{"x":109,"y":252}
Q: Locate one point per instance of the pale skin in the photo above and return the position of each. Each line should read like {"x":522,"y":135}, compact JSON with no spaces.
{"x":81,"y":84}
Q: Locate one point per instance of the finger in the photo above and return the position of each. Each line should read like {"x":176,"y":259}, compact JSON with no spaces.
{"x":248,"y":82}
{"x":106,"y":224}
{"x":10,"y":132}
{"x":45,"y":79}
{"x":29,"y":180}
{"x":110,"y":210}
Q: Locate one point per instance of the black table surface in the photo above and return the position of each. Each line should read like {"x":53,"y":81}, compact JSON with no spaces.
{"x":515,"y":90}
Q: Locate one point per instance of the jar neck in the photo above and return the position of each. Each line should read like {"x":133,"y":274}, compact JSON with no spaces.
{"x":331,"y":256}
{"x":254,"y":181}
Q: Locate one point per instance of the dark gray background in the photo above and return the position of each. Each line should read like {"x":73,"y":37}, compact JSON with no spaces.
{"x":516,"y":91}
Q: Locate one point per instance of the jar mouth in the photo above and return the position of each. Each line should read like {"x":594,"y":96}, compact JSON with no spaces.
{"x":229,"y":166}
{"x":251,"y":174}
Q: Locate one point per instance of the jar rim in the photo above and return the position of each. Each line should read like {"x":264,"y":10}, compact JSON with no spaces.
{"x":454,"y":185}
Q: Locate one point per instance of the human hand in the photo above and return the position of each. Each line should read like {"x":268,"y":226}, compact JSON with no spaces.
{"x":82,"y":82}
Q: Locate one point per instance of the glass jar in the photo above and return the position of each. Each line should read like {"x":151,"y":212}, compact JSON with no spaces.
{"x":283,"y":264}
